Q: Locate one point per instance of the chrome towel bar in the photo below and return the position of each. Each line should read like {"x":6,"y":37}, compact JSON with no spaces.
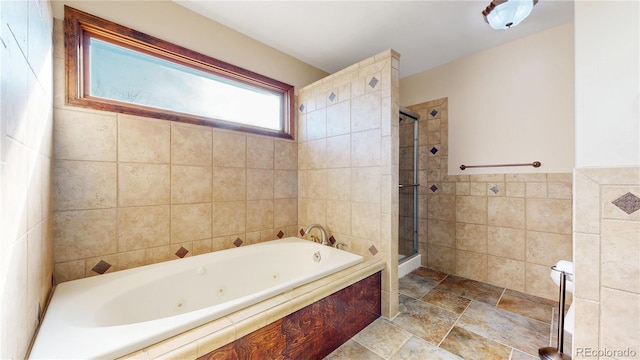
{"x":535,"y":164}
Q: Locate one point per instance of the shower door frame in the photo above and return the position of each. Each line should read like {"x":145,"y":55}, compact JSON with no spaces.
{"x":416,"y":241}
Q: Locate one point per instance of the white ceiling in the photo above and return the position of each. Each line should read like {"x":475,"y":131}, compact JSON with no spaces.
{"x":332,"y":35}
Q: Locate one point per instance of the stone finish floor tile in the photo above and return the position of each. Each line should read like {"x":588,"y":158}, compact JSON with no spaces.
{"x":446,"y":300}
{"x":352,"y":350}
{"x":469,"y":345}
{"x":519,"y":355}
{"x":511,"y":329}
{"x":430,"y":274}
{"x":415,"y":286}
{"x":424,"y":320}
{"x":382,"y":337}
{"x":418,"y":349}
{"x":471,"y":289}
{"x":530,"y":306}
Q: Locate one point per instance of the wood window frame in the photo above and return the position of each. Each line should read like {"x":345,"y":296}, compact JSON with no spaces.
{"x":79,"y":27}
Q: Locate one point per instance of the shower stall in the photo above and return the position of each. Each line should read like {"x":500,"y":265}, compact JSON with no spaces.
{"x":408,"y":242}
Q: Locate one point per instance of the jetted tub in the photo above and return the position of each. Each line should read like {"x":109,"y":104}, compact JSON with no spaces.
{"x":111,"y":315}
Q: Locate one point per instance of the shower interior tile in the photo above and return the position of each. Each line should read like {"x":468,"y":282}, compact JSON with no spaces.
{"x":415,"y":286}
{"x":471,"y":289}
{"x":470,"y":345}
{"x":533,"y":307}
{"x":507,"y":328}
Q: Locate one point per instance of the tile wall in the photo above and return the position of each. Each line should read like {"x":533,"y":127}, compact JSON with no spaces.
{"x":26,"y":29}
{"x":504,"y":229}
{"x":607,"y":261}
{"x":348,"y":162}
{"x":131,"y":191}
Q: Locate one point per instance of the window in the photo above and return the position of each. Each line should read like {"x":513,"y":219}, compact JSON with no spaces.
{"x":114,"y":68}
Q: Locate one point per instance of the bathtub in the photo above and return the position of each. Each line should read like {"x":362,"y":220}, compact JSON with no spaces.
{"x":115,"y":314}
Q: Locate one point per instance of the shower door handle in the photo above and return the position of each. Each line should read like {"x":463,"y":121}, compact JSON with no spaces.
{"x":408,"y":185}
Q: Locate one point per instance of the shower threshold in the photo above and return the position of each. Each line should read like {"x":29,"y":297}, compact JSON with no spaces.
{"x":408,"y":264}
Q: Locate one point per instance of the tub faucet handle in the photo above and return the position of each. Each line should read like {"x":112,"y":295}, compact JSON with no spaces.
{"x":338,"y":244}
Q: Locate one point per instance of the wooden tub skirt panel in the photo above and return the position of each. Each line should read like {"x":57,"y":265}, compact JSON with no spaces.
{"x":312,"y":332}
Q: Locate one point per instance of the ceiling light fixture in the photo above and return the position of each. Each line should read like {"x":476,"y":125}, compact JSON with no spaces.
{"x":503,"y":14}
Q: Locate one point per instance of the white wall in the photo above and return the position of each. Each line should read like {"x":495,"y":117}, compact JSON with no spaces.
{"x":174,"y":23}
{"x":607,"y":83}
{"x":509,"y":104}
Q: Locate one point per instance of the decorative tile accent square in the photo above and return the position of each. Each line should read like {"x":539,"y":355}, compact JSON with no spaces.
{"x":433,"y":150}
{"x":302,"y":108}
{"x":182,"y":252}
{"x":301,"y":232}
{"x":238,"y":242}
{"x":280,"y":234}
{"x":433,"y":188}
{"x":101,"y":267}
{"x":373,"y":82}
{"x":332,"y":240}
{"x":433,"y":112}
{"x":332,"y":96}
{"x":628,"y":203}
{"x":495,"y":189}
{"x":373,"y":250}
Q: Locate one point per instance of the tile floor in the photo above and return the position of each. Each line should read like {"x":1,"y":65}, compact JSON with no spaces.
{"x":449,"y":317}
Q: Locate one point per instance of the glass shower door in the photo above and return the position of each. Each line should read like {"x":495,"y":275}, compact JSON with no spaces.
{"x":408,"y":197}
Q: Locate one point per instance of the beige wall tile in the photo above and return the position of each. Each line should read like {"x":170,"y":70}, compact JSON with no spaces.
{"x":471,"y":237}
{"x":229,"y":217}
{"x":143,"y":140}
{"x":67,"y":271}
{"x":339,"y":119}
{"x":539,"y":283}
{"x":260,"y":152}
{"x":285,"y":184}
{"x":620,"y":254}
{"x":506,"y":273}
{"x":587,"y":323}
{"x":143,"y":227}
{"x":339,"y":216}
{"x":259,"y":215}
{"x":506,"y":242}
{"x":440,"y":232}
{"x":441,"y":207}
{"x":536,"y":190}
{"x":129,"y":259}
{"x":559,"y":190}
{"x":539,"y":177}
{"x":487,"y":178}
{"x":338,"y":184}
{"x":90,"y":263}
{"x":619,"y":324}
{"x":315,"y":181}
{"x":190,"y":184}
{"x":365,"y":148}
{"x":158,"y":254}
{"x":84,"y":135}
{"x":548,"y":248}
{"x":586,"y":204}
{"x":84,"y":234}
{"x":229,"y":149}
{"x":365,"y":112}
{"x":463,"y":188}
{"x":587,"y":276}
{"x":143,"y":184}
{"x":609,"y":194}
{"x":191,"y":145}
{"x":285,"y":213}
{"x":339,"y":151}
{"x":471,"y":265}
{"x":285,"y":155}
{"x":190,"y":222}
{"x":477,"y":188}
{"x":312,"y":154}
{"x":84,"y":185}
{"x":365,"y":184}
{"x":471,"y":209}
{"x":549,"y":215}
{"x":506,"y":212}
{"x":365,"y":221}
{"x":229,"y":184}
{"x":515,"y":189}
{"x":259,"y":184}
{"x":202,"y":247}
